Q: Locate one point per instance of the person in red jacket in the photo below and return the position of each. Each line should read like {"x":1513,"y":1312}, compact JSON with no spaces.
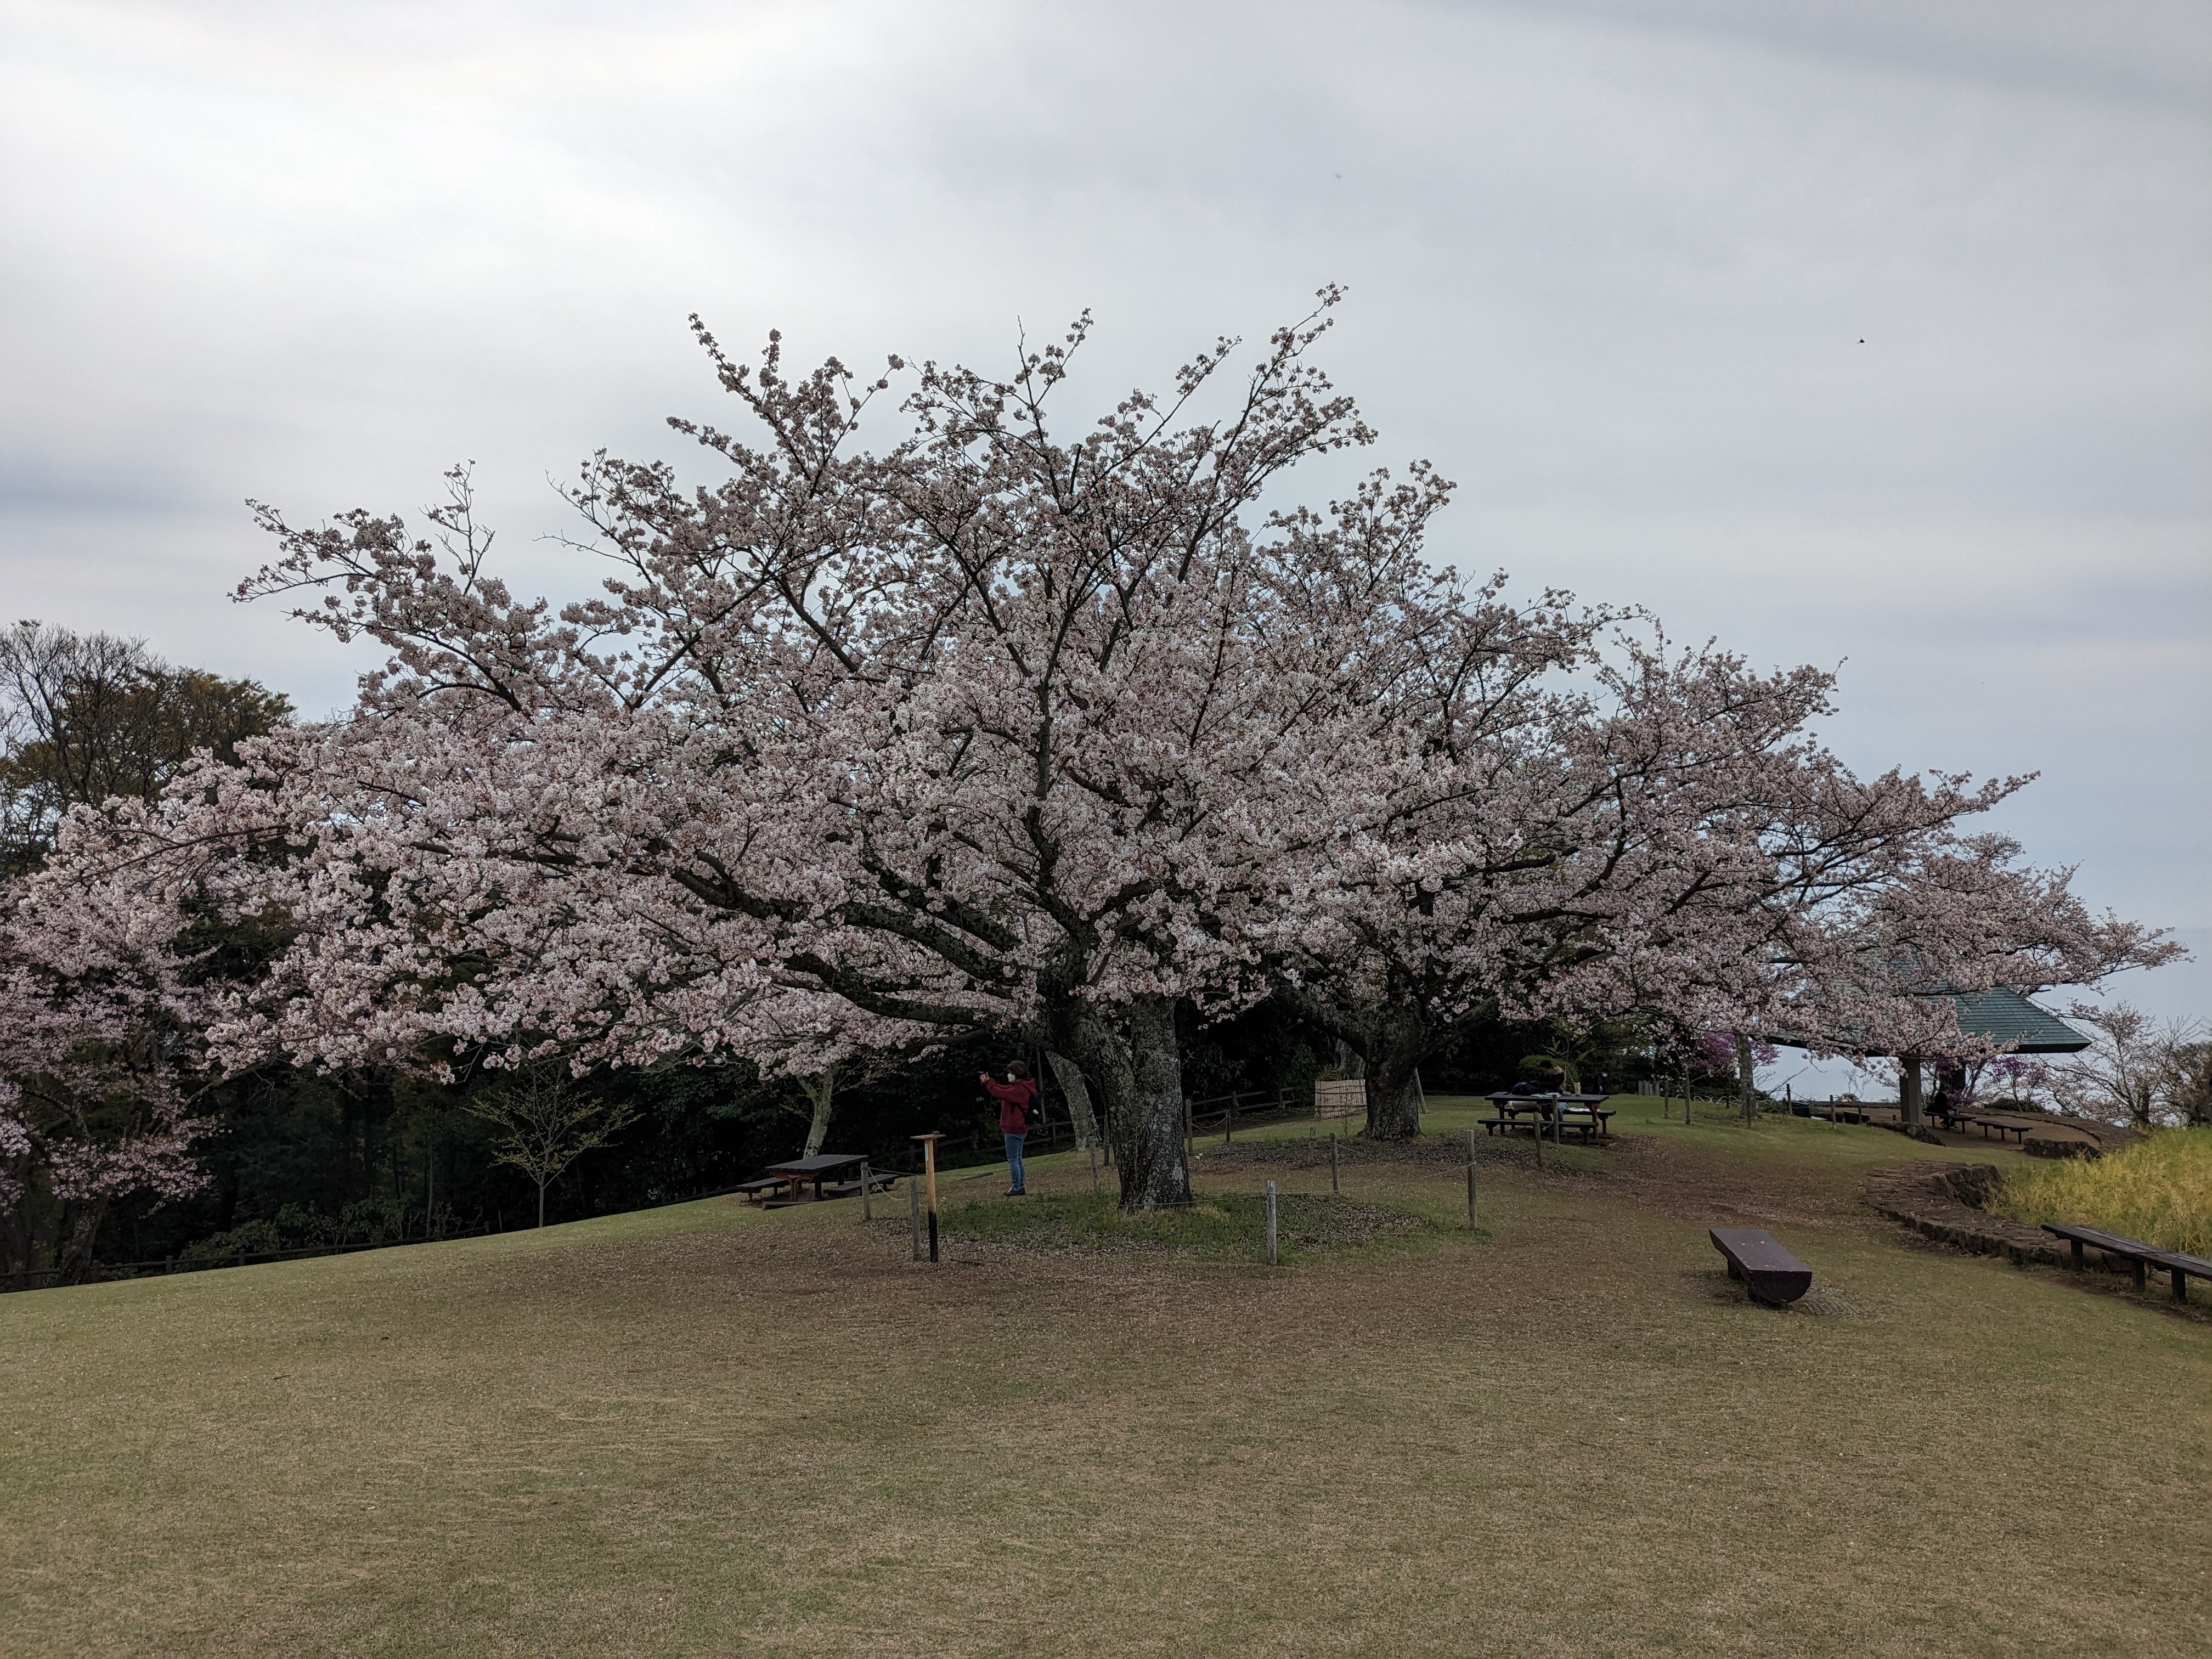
{"x":1017,"y":1098}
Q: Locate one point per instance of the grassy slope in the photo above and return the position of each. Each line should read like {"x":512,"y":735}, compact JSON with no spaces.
{"x":710,"y":1429}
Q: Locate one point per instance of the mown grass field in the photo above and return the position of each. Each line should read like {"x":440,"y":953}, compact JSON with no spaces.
{"x":710,"y":1429}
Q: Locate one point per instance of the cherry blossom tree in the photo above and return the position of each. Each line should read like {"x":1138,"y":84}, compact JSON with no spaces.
{"x":1671,"y":842}
{"x":98,"y":1031}
{"x":964,"y":733}
{"x":1880,"y":970}
{"x":996,"y":727}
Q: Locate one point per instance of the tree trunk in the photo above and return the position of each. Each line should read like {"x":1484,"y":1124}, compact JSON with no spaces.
{"x":1138,"y":1070}
{"x":1908,"y":1089}
{"x":1394,"y":1082}
{"x":80,"y":1232}
{"x":1069,"y":1076}
{"x":821,"y":1093}
{"x":541,"y":1203}
{"x":1746,"y":1079}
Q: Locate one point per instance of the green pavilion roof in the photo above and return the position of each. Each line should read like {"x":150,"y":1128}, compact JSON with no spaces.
{"x":2002,"y":1017}
{"x":2008,"y":1017}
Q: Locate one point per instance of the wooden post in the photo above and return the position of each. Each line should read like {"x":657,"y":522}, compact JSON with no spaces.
{"x":1229,"y":1129}
{"x":914,"y":1214}
{"x":866,"y":1213}
{"x":1747,"y":1080}
{"x":1470,"y":1177}
{"x":929,"y":1176}
{"x":1189,"y":1144}
{"x":1334,"y":1185}
{"x":1271,"y":1224}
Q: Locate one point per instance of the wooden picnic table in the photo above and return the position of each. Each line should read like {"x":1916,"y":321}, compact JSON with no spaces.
{"x":823,"y":1166}
{"x":1558,"y":1110}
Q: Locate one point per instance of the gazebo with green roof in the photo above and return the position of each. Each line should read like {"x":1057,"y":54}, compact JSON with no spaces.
{"x":1999,"y":1016}
{"x":2008,"y":1017}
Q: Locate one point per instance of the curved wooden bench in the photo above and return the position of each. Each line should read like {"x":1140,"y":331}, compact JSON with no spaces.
{"x":2137,"y":1254}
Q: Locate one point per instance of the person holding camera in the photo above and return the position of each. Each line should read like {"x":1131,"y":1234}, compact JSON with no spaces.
{"x":1017,"y":1098}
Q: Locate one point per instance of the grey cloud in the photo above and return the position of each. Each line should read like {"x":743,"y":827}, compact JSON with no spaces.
{"x":1611,"y":265}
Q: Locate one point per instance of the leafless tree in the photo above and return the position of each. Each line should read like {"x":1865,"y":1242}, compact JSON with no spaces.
{"x":2136,"y":1070}
{"x":545,"y":1123}
{"x":85,"y":717}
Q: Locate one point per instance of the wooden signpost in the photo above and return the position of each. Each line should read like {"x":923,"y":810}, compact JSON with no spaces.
{"x":929,"y":1179}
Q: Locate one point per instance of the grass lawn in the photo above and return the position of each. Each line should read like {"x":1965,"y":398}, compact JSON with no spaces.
{"x":711,"y":1429}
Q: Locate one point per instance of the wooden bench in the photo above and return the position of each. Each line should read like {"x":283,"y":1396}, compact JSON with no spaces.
{"x":1535,"y":1115}
{"x":2001,"y":1126}
{"x":2140,"y":1257}
{"x":1769,"y":1273}
{"x":1549,"y":1117}
{"x":879,"y":1181}
{"x":754,"y":1191}
{"x":1590,"y":1119}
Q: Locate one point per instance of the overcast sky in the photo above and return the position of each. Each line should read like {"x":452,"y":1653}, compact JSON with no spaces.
{"x":1862,"y":332}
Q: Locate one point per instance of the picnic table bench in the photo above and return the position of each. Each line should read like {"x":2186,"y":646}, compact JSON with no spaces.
{"x":800,"y":1172}
{"x":2002,"y":1126}
{"x":2137,"y":1254}
{"x":878,"y":1181}
{"x":1585,"y":1115}
{"x":1769,"y":1273}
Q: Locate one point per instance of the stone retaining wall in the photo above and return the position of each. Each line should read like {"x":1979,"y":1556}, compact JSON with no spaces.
{"x":1942,"y":1201}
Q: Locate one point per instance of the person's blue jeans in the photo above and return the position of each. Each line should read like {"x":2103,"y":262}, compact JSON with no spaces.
{"x":1014,"y":1171}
